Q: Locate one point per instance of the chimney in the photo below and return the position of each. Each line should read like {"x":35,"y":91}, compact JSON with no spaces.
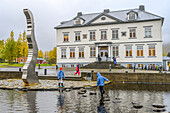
{"x":79,"y":14}
{"x":142,"y":8}
{"x":106,"y":10}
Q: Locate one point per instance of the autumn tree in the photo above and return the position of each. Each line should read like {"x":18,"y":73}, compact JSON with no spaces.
{"x":9,"y":52}
{"x":1,"y":49}
{"x":46,"y":57}
{"x":19,"y":46}
{"x":24,"y":50}
{"x":40,"y":54}
{"x":53,"y":56}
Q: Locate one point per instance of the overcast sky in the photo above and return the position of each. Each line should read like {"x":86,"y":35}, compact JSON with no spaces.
{"x":49,"y":13}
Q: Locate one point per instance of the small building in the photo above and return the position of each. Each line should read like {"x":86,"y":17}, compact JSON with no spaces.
{"x":166,"y":63}
{"x":21,"y":60}
{"x":40,"y":61}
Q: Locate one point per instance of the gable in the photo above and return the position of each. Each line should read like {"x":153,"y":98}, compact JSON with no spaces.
{"x":104,"y":19}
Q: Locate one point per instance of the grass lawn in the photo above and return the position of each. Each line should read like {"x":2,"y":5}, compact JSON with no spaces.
{"x":21,"y":65}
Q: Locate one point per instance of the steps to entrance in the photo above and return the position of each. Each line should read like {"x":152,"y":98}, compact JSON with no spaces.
{"x":102,"y":65}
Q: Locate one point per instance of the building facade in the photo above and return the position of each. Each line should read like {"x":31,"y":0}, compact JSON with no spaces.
{"x":134,"y":36}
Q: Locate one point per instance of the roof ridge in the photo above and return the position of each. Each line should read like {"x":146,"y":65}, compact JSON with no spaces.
{"x":110,"y":11}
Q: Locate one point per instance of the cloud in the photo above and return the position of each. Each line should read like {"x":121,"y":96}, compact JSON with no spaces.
{"x":49,"y":13}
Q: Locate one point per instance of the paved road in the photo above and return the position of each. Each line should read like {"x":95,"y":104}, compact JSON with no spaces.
{"x":51,"y":71}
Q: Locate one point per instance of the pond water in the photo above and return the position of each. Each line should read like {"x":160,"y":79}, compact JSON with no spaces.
{"x":121,"y":96}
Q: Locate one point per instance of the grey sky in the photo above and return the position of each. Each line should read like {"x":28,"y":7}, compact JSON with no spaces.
{"x":49,"y":13}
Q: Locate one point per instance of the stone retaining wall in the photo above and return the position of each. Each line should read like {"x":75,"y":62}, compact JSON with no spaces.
{"x":11,"y":74}
{"x":149,"y":78}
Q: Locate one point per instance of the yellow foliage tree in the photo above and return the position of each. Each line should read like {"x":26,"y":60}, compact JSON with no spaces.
{"x":19,"y":46}
{"x":24,"y":51}
{"x":40,"y":54}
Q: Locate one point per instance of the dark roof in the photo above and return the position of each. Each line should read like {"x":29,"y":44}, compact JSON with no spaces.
{"x":120,"y":15}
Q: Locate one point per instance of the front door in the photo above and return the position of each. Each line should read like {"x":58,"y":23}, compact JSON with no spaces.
{"x":103,"y":54}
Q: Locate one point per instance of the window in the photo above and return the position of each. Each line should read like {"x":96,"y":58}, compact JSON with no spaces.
{"x":65,"y":37}
{"x":81,"y":52}
{"x":92,"y":35}
{"x":72,"y":52}
{"x":103,"y":35}
{"x":128,"y":51}
{"x":132,"y":33}
{"x":139,"y":50}
{"x":140,"y":65}
{"x":77,"y":36}
{"x":92,"y":51}
{"x":115,"y":51}
{"x":115,"y":34}
{"x":132,"y":16}
{"x":77,"y":21}
{"x":148,"y":32}
{"x":63,"y":53}
{"x":151,"y":50}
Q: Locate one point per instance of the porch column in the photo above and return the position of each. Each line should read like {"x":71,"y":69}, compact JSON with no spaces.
{"x":97,"y":51}
{"x":109,"y":52}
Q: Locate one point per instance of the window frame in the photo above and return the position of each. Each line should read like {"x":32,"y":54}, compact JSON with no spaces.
{"x":92,"y":51}
{"x":115,"y":51}
{"x":115,"y":33}
{"x":63,"y":53}
{"x":77,"y":36}
{"x":81,"y":52}
{"x":66,"y":36}
{"x":132,"y":33}
{"x":151,"y":51}
{"x":139,"y":51}
{"x":128,"y":52}
{"x":72,"y":52}
{"x":148,"y":32}
{"x":92,"y":35}
{"x":103,"y":35}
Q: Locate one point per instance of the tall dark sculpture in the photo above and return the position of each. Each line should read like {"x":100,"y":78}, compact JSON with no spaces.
{"x":29,"y":75}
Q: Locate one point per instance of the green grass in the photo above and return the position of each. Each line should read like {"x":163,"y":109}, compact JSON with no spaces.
{"x":21,"y":65}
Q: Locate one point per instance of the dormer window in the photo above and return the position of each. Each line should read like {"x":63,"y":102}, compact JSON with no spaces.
{"x":78,"y":21}
{"x":132,"y":15}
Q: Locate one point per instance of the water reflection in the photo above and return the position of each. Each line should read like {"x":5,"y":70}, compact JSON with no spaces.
{"x":60,"y":101}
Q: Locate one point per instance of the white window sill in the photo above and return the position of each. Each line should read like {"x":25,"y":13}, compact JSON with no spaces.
{"x":132,"y":37}
{"x":151,"y":56}
{"x":139,"y":56}
{"x":128,"y":56}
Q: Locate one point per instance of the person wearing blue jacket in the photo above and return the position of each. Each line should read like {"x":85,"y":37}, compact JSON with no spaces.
{"x":60,"y":76}
{"x":100,"y":83}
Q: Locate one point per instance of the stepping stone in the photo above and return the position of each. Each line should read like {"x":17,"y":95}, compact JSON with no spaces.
{"x":138,"y":106}
{"x":159,"y":109}
{"x":92,"y":93}
{"x":117,"y":98}
{"x":106,"y":99}
{"x":79,"y":92}
{"x":84,"y":95}
{"x":67,"y":90}
{"x":83,"y":90}
{"x":135,"y":102}
{"x":158,"y":105}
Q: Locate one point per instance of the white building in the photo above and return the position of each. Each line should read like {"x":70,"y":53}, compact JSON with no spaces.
{"x":134,"y":36}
